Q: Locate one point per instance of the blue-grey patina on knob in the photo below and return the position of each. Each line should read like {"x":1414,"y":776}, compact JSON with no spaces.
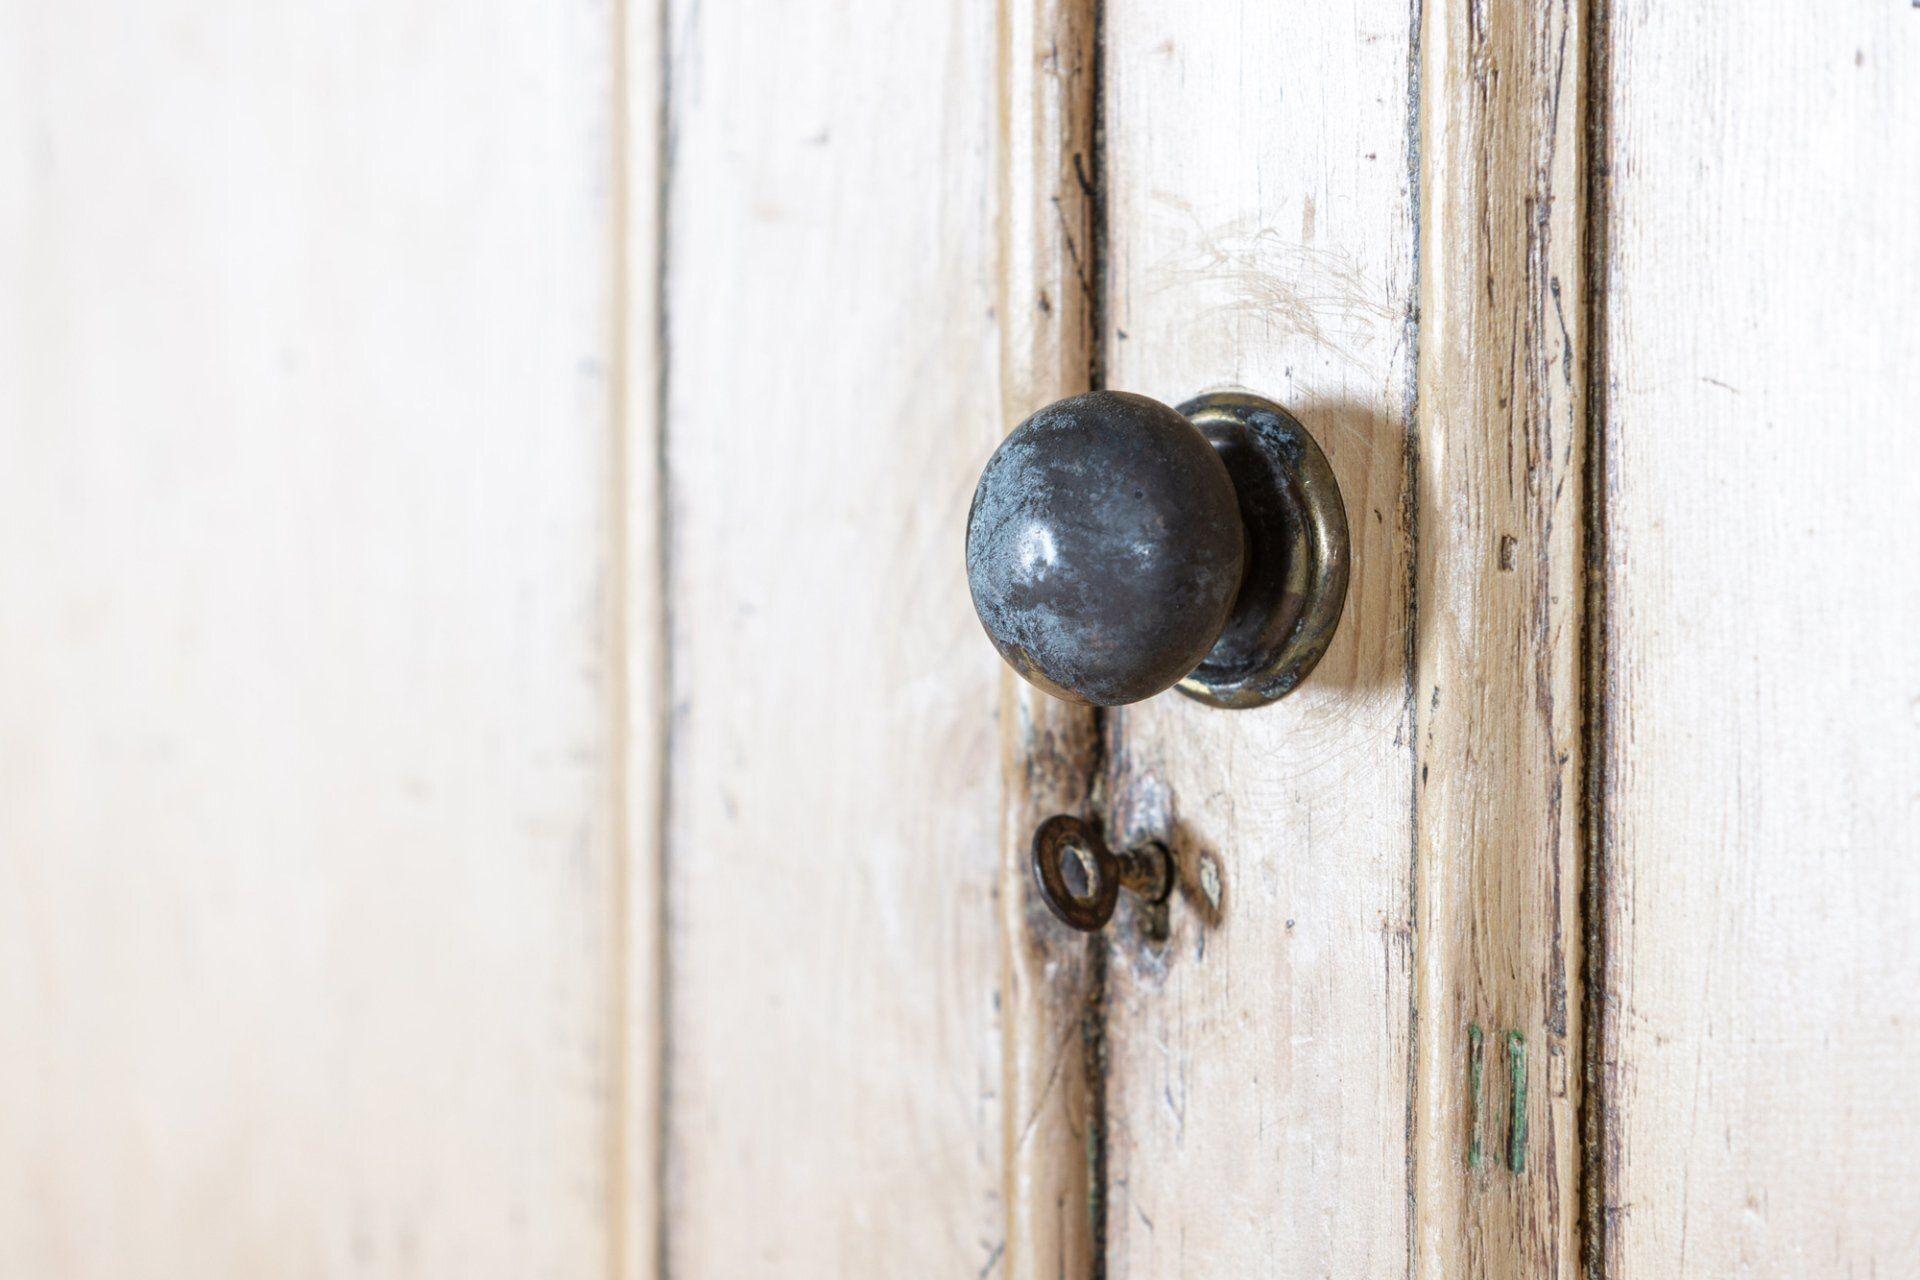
{"x":1105,"y":548}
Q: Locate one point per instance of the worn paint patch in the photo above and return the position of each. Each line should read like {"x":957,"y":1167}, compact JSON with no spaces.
{"x":1517,"y":1125}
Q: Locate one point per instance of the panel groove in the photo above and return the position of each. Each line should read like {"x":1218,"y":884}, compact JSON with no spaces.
{"x":1093,"y":1036}
{"x":1099,"y":947}
{"x":1096,"y":211}
{"x":1410,"y":589}
{"x":1594,"y":670}
{"x":639,"y":659}
{"x":664,"y":678}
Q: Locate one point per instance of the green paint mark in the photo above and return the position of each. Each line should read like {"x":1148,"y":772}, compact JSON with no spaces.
{"x":1517,"y":1131}
{"x":1476,"y":1068}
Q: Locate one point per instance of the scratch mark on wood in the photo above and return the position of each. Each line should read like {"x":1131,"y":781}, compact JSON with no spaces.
{"x":1476,"y":1071}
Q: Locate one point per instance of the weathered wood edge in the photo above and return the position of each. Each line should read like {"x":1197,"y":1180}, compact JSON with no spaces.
{"x":1052,"y":1023}
{"x":1598,"y":1139}
{"x":1501,"y":805}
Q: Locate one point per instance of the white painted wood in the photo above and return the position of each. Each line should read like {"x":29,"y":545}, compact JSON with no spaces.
{"x":312,"y":609}
{"x":1262,"y":234}
{"x":834,"y":1073}
{"x":1761,"y":695}
{"x":335,"y":679}
{"x":1502,"y":472}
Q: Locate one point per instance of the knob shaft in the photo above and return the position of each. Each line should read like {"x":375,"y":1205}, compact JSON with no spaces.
{"x":1117,"y":547}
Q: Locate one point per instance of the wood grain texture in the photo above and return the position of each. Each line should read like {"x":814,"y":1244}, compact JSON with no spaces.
{"x":1761,"y":693}
{"x":834,"y":1070}
{"x":1049,"y":998}
{"x":1261,"y":222}
{"x":311,"y":623}
{"x":1500,"y":589}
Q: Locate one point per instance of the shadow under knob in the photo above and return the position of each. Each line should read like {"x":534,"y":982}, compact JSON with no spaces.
{"x":1117,"y":547}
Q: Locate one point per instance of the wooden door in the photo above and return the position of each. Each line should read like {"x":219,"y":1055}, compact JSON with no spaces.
{"x":499,"y":774}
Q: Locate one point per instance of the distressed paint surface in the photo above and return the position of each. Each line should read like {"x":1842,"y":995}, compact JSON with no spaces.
{"x":1502,"y":427}
{"x":1262,"y":235}
{"x":1760,"y":766}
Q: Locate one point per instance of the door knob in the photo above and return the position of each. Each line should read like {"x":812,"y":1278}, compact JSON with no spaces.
{"x":1117,"y":547}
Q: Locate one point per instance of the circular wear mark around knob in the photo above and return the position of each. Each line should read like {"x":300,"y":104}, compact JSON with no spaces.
{"x":1105,"y":548}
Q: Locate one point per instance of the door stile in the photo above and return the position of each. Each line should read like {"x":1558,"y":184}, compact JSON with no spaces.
{"x":1262,"y":235}
{"x":834,"y":1057}
{"x":1499,"y":804}
{"x":1050,"y":1006}
{"x":1757,"y":773}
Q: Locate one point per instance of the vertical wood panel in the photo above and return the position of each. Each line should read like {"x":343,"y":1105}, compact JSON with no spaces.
{"x":834,"y":1069}
{"x":312,"y":618}
{"x":1498,"y":710}
{"x":1262,"y":235}
{"x":1048,"y":307}
{"x":1761,"y":763}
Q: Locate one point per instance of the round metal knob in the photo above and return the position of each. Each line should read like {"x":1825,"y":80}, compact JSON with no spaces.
{"x":1117,"y":547}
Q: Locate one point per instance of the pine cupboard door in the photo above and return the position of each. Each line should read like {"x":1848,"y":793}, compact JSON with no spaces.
{"x":1562,"y":923}
{"x":500,"y":775}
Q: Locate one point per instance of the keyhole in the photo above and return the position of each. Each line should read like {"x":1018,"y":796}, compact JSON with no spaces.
{"x":1077,"y":870}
